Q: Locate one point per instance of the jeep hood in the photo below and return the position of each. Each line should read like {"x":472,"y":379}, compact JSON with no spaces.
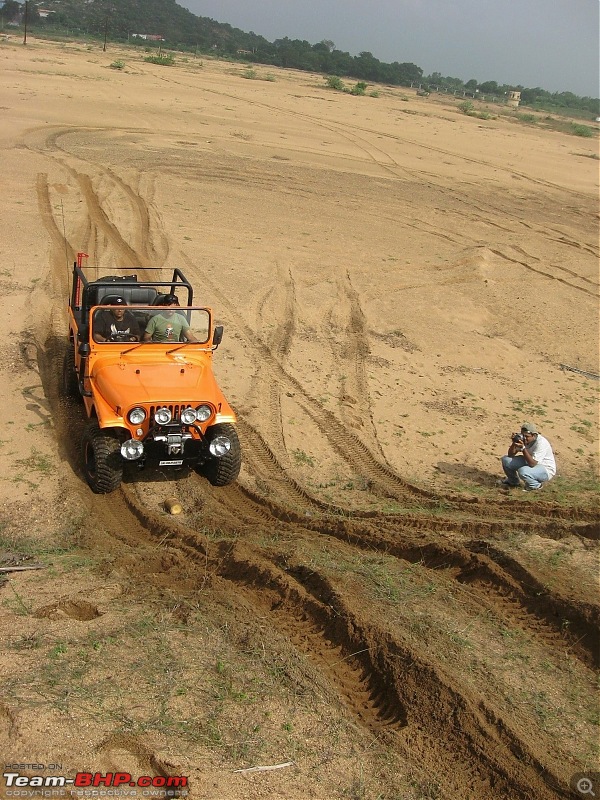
{"x":122,"y":384}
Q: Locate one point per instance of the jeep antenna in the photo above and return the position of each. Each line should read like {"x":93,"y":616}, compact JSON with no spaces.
{"x":62,"y":211}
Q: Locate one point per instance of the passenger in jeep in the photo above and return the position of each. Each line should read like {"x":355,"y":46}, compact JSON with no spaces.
{"x":116,"y":325}
{"x":168,"y":325}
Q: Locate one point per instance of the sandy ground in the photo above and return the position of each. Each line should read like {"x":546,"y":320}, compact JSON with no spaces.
{"x":401,"y":287}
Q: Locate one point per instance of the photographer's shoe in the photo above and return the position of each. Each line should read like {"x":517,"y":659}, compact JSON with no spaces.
{"x":506,"y":484}
{"x":531,"y":488}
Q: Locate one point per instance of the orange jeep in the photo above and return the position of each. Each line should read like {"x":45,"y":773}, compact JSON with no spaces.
{"x":140,"y":355}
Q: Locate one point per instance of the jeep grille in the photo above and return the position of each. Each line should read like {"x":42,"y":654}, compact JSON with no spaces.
{"x":174,"y":409}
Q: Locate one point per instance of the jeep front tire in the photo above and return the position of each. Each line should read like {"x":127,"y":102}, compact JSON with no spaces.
{"x":102,"y":460}
{"x":224,"y":470}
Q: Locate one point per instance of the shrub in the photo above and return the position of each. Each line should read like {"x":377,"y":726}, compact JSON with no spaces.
{"x":468,"y":108}
{"x":360,"y":88}
{"x":252,"y":75}
{"x":334,"y":82}
{"x":582,"y":130}
{"x":118,"y":65}
{"x":164,"y":61}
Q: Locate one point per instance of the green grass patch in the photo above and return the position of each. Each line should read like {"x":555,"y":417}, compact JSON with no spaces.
{"x":582,"y":130}
{"x":300,"y":457}
{"x":253,"y":75}
{"x":468,"y":108}
{"x":162,"y":60}
{"x":529,"y":118}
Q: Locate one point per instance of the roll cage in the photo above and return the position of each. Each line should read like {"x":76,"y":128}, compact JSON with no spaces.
{"x":86,"y":293}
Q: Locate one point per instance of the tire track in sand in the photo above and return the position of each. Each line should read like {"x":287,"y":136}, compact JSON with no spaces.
{"x":388,"y":686}
{"x":144,"y":244}
{"x":342,"y":440}
{"x":276,"y":318}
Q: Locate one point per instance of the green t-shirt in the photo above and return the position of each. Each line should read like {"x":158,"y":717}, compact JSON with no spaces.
{"x":167,"y":329}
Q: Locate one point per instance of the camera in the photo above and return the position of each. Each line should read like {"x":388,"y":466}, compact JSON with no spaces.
{"x":517,"y":438}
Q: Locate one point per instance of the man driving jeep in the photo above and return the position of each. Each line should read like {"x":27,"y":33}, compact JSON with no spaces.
{"x":116,"y":324}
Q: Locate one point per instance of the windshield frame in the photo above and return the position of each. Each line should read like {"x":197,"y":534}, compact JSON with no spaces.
{"x":143,"y":314}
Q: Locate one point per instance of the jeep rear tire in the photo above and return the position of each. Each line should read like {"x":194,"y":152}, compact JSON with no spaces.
{"x":224,"y":470}
{"x":102,"y":460}
{"x":70,"y":381}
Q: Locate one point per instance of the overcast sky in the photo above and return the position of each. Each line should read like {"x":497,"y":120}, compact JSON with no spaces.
{"x":548,"y":43}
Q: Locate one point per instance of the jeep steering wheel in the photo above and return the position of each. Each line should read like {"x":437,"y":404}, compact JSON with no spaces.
{"x":122,"y":337}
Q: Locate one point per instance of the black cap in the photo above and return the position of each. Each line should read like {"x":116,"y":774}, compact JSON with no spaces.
{"x":113,"y":300}
{"x":171,"y":300}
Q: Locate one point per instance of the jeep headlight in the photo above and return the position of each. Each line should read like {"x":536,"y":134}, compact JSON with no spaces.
{"x":188,"y":416}
{"x":136,"y":416}
{"x":162,"y":416}
{"x":132,"y":449}
{"x":203,"y":413}
{"x":220,"y":446}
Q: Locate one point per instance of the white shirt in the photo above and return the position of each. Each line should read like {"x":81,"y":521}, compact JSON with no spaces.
{"x":541,"y":451}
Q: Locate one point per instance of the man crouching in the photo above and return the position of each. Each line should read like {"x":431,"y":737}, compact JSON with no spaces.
{"x":530,"y":458}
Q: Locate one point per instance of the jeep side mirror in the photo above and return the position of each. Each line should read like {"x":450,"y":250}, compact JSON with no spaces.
{"x":84,"y":349}
{"x":217,"y":336}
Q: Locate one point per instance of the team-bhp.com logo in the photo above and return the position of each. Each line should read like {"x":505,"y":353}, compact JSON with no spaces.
{"x":95,"y":784}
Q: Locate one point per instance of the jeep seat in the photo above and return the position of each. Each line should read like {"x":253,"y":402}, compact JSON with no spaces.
{"x":133,"y":295}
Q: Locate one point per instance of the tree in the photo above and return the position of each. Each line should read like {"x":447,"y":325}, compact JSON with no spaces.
{"x":489,"y":87}
{"x":367,"y":66}
{"x":339,"y":63}
{"x":402,"y":74}
{"x":531,"y":96}
{"x":10,"y":11}
{"x":324,"y":46}
{"x":453,"y":83}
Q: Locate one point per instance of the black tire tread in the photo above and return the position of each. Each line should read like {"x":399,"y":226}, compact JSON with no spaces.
{"x":223,"y":471}
{"x":70,"y":381}
{"x":107,"y":453}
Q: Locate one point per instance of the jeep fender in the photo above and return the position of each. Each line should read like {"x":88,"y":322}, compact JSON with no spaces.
{"x":98,"y":408}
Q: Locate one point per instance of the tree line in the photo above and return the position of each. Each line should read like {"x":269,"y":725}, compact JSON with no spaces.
{"x":183,"y":30}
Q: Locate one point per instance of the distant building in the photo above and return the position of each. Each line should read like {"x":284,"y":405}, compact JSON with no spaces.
{"x":514,"y":98}
{"x":150,"y":37}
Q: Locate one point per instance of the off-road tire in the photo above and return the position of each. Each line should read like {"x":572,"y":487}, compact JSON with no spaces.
{"x":224,"y":470}
{"x":70,"y":381}
{"x":102,"y":460}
